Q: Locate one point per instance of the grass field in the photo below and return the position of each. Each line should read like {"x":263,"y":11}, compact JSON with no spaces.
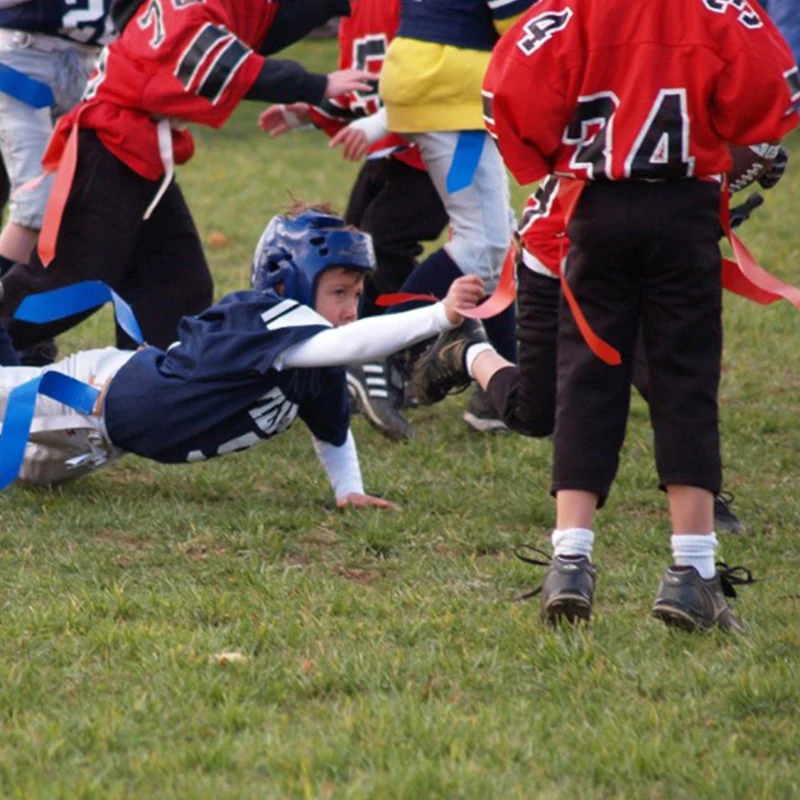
{"x":383,"y":655}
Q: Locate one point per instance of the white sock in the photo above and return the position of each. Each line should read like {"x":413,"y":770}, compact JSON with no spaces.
{"x":695,"y":550}
{"x":573,"y":542}
{"x":473,"y":351}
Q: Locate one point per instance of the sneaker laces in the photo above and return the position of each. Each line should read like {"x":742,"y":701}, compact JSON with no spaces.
{"x":519,"y":552}
{"x":730,"y":577}
{"x":724,"y":499}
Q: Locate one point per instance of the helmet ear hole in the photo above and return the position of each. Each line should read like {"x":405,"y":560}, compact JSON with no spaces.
{"x":324,"y":251}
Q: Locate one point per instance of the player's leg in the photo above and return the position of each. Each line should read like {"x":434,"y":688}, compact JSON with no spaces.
{"x":24,"y":133}
{"x":169,"y":276}
{"x":725,"y":520}
{"x":592,"y":398}
{"x":682,"y":321}
{"x":99,"y":232}
{"x":65,"y":444}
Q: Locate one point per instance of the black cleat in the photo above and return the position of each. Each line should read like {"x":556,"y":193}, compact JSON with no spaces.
{"x":725,"y":521}
{"x":567,"y":591}
{"x":480,"y":414}
{"x":41,"y":354}
{"x":691,"y":603}
{"x":441,"y":369}
{"x":372,"y":388}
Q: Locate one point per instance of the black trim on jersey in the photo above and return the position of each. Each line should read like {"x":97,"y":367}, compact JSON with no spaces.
{"x":488,"y":111}
{"x":223,"y":68}
{"x":122,"y":11}
{"x":793,"y":79}
{"x":198,"y":48}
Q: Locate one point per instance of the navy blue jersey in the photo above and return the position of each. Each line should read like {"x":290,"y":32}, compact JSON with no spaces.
{"x":84,"y":21}
{"x":216,"y":391}
{"x":461,"y":23}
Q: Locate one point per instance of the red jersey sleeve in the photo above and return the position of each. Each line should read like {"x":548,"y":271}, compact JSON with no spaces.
{"x":756,"y":96}
{"x":198,"y":68}
{"x":525,"y":106}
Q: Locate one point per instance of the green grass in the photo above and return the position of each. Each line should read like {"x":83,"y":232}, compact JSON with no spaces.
{"x":385,"y":655}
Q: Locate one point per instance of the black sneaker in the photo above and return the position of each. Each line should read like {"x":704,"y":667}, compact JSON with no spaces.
{"x":41,"y":354}
{"x":725,"y":521}
{"x":691,"y":603}
{"x":375,"y":393}
{"x":441,"y":368}
{"x":567,"y":591}
{"x":481,"y":416}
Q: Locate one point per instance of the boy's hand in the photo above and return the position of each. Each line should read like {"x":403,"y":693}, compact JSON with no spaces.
{"x":350,"y":80}
{"x":356,"y":500}
{"x":464,"y":293}
{"x":279,"y":119}
{"x":354,"y":141}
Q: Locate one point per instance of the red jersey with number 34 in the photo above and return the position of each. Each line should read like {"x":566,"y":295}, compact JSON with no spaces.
{"x":186,"y":60}
{"x":638,"y":89}
{"x":364,"y":38}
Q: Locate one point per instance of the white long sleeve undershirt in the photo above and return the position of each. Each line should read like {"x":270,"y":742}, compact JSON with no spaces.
{"x":366,"y":340}
{"x":341,"y":466}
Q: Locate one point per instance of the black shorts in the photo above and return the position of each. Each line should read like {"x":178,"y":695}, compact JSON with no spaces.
{"x":642,"y":254}
{"x":157,"y":265}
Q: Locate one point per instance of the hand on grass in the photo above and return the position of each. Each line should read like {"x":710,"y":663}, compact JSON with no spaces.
{"x":357,"y":500}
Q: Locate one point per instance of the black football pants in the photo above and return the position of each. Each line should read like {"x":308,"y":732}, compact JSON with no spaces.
{"x":156,"y":265}
{"x":643,"y":263}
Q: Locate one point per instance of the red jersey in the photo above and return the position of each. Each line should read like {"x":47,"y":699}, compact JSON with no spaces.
{"x":648,"y":89}
{"x":364,"y":38}
{"x":186,"y":60}
{"x":543,"y":229}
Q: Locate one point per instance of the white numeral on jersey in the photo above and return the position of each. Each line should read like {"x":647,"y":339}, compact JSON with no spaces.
{"x":591,"y":129}
{"x":540,"y":29}
{"x":92,"y":12}
{"x":154,"y":15}
{"x":661,"y":149}
{"x":747,"y":14}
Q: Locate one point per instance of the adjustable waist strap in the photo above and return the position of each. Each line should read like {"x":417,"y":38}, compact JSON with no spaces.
{"x":24,"y":88}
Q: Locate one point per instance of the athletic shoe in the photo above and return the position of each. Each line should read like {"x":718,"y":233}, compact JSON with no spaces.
{"x":725,"y":521}
{"x":441,"y":369}
{"x":691,"y":603}
{"x":480,"y":414}
{"x":41,"y":354}
{"x":567,"y":591}
{"x":373,"y":391}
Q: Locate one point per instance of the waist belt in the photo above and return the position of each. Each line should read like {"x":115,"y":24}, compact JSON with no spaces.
{"x":24,"y":88}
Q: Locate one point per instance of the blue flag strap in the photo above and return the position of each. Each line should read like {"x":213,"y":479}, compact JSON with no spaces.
{"x":75,"y":299}
{"x":466,"y":158}
{"x":24,"y":88}
{"x":21,"y":408}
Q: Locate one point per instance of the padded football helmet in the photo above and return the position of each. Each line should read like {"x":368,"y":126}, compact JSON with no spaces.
{"x":295,"y":250}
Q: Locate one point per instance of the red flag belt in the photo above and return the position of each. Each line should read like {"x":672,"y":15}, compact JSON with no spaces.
{"x":742,"y":276}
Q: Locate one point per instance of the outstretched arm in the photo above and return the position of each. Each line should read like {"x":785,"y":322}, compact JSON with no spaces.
{"x":376,"y":337}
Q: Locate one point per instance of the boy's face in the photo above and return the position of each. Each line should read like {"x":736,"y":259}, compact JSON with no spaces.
{"x":339,"y":291}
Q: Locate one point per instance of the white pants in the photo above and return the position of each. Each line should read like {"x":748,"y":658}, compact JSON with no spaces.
{"x":24,"y":130}
{"x":481,"y":219}
{"x":65,"y":444}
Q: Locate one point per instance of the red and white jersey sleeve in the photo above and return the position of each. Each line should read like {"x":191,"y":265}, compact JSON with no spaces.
{"x":186,"y":59}
{"x":642,"y":89}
